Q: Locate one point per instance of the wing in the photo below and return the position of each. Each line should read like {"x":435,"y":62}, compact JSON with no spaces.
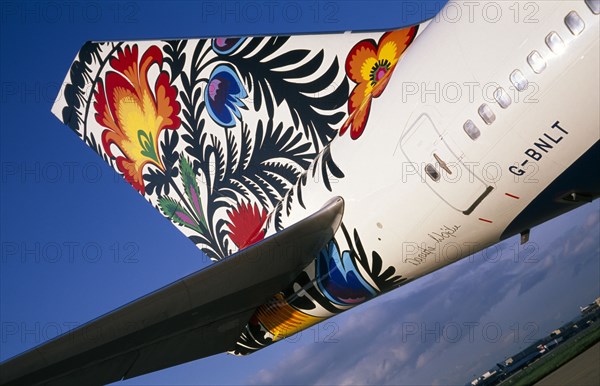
{"x":200,"y":315}
{"x":215,"y":132}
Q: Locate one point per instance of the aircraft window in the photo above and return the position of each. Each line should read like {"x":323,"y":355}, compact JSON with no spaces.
{"x":575,"y":23}
{"x":518,"y":80}
{"x":555,"y":43}
{"x":594,"y":6}
{"x":486,"y":113}
{"x":432,"y":172}
{"x":536,"y":62}
{"x":471,"y":130}
{"x":502,"y":97}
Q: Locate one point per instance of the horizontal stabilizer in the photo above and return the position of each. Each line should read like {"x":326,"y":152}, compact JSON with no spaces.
{"x":197,"y":316}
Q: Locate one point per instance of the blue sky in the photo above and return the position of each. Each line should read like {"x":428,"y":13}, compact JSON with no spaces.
{"x":77,"y":242}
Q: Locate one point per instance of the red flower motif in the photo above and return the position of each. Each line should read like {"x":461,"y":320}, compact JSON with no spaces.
{"x":371,"y":65}
{"x":246,"y":225}
{"x":133,"y":113}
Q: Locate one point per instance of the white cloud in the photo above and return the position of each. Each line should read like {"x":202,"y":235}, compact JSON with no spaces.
{"x":374,"y":345}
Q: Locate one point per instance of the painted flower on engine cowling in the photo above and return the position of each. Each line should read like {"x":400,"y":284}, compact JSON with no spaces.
{"x":133,"y":113}
{"x":339,"y":279}
{"x":223,"y":95}
{"x":246,"y":224}
{"x":224,"y":46}
{"x":370,"y":66}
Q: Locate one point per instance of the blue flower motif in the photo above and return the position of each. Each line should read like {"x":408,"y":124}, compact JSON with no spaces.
{"x":224,"y":46}
{"x":339,"y":279}
{"x":223,"y":95}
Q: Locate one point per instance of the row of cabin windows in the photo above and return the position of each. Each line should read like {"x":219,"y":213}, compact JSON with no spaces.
{"x":537,"y":63}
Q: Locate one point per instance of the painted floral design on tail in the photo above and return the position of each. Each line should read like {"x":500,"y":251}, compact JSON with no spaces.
{"x":221,"y":135}
{"x":370,"y":66}
{"x":223,"y":96}
{"x":246,"y":225}
{"x":133,"y":113}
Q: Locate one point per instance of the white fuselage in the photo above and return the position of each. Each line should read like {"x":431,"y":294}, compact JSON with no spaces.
{"x":419,"y":225}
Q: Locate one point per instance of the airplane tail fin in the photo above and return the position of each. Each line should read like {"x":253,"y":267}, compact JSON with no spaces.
{"x":214,"y":132}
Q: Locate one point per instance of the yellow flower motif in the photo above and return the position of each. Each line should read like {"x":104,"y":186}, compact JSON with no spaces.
{"x":133,"y":114}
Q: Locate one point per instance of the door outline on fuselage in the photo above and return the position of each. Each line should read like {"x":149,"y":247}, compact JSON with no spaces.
{"x":424,"y":146}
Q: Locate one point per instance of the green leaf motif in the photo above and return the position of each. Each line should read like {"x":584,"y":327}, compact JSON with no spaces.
{"x":148,"y":149}
{"x":176,"y":213}
{"x":192,"y":190}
